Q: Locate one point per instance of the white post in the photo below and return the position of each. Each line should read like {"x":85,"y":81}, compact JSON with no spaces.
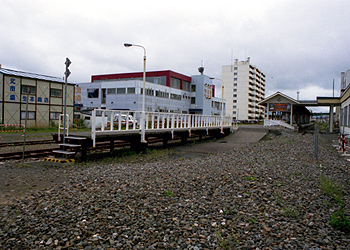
{"x":93,"y":127}
{"x":331,"y":118}
{"x":291,"y":114}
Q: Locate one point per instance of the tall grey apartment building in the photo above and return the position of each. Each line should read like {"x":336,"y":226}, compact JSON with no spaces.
{"x":244,"y":87}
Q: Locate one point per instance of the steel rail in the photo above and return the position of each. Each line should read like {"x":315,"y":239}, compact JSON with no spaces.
{"x":41,"y":153}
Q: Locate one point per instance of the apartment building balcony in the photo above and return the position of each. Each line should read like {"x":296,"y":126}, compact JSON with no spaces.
{"x":252,"y":78}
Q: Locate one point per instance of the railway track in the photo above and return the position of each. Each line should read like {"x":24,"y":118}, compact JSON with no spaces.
{"x":41,"y":153}
{"x":38,"y":153}
{"x":18,"y":143}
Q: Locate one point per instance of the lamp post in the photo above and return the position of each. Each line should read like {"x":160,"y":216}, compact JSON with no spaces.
{"x":143,"y":140}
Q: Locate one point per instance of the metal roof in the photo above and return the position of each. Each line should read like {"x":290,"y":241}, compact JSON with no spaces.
{"x":308,"y":102}
{"x":31,"y":75}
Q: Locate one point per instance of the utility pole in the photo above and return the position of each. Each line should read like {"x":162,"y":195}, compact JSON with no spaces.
{"x":66,"y":74}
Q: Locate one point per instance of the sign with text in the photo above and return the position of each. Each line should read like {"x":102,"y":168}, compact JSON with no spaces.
{"x":285,"y":107}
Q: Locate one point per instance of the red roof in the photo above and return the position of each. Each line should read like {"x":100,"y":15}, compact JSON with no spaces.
{"x":167,"y":73}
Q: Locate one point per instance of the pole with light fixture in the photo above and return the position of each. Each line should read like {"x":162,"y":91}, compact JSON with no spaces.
{"x":142,"y":127}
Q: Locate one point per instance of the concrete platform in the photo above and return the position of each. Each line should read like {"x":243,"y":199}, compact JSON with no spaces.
{"x":245,"y":135}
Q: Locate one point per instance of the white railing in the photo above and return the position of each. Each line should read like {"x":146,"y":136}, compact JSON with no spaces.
{"x":120,"y":121}
{"x":61,"y":126}
{"x":268,"y":123}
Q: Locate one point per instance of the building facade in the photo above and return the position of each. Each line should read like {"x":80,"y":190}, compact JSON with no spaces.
{"x":244,"y":88}
{"x":344,"y":81}
{"x":344,"y":114}
{"x":44,"y":94}
{"x":166,"y":91}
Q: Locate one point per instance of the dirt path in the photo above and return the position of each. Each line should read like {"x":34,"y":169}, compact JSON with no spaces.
{"x":17,"y":181}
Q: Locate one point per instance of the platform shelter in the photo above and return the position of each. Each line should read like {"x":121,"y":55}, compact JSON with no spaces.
{"x":285,"y":111}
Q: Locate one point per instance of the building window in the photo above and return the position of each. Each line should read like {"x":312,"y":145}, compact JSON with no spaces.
{"x":234,"y":90}
{"x":111,"y":91}
{"x":56,"y":92}
{"x":30,"y":115}
{"x":175,"y":83}
{"x":234,"y":95}
{"x":157,"y":80}
{"x":186,"y":86}
{"x":25,"y":89}
{"x":175,"y":97}
{"x":92,"y":93}
{"x":235,"y":79}
{"x":235,"y":73}
{"x":121,"y":91}
{"x":235,"y":68}
{"x":234,"y":106}
{"x":234,"y":101}
{"x":193,"y":88}
{"x":150,"y":92}
{"x":235,"y":84}
{"x":346,"y":116}
{"x":234,"y":112}
{"x":193,"y":100}
{"x":131,"y":90}
{"x":55,"y":115}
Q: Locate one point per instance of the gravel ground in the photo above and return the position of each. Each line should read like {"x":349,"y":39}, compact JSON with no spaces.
{"x":265,"y":195}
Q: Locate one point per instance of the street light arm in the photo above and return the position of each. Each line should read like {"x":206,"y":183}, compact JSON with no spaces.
{"x":135,"y":45}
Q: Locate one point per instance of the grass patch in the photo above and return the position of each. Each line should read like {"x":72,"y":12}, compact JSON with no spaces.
{"x":331,"y":188}
{"x":230,"y":242}
{"x":230,"y":211}
{"x":291,"y":212}
{"x":280,"y":183}
{"x":168,"y":193}
{"x":251,"y":178}
{"x":252,"y":220}
{"x":340,"y":221}
{"x":334,"y":190}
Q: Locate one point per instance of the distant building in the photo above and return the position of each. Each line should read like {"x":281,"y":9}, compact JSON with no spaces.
{"x":344,"y":114}
{"x":166,"y":91}
{"x":45,"y":98}
{"x":344,"y":81}
{"x":244,"y":87}
{"x":290,"y":112}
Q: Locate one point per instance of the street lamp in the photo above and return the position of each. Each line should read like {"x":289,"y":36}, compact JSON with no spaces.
{"x":127,"y":45}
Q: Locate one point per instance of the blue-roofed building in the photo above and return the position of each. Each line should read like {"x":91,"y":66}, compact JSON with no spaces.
{"x":45,"y":96}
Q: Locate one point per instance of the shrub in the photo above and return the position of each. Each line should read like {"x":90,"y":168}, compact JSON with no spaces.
{"x":331,"y":188}
{"x":340,"y":221}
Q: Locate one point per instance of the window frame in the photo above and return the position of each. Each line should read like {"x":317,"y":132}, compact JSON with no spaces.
{"x":25,"y":92}
{"x":31,"y":115}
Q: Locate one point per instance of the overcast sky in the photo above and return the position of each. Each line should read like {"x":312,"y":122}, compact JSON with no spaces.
{"x":298,"y":44}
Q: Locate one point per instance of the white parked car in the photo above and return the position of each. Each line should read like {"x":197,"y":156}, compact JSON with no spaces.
{"x":124,"y":119}
{"x":98,"y":121}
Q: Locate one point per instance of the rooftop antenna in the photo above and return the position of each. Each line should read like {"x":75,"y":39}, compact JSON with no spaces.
{"x":201,"y":68}
{"x":298,"y":92}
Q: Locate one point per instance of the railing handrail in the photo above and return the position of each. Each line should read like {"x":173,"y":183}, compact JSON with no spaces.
{"x":277,"y":123}
{"x":60,"y":124}
{"x":132,"y":121}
